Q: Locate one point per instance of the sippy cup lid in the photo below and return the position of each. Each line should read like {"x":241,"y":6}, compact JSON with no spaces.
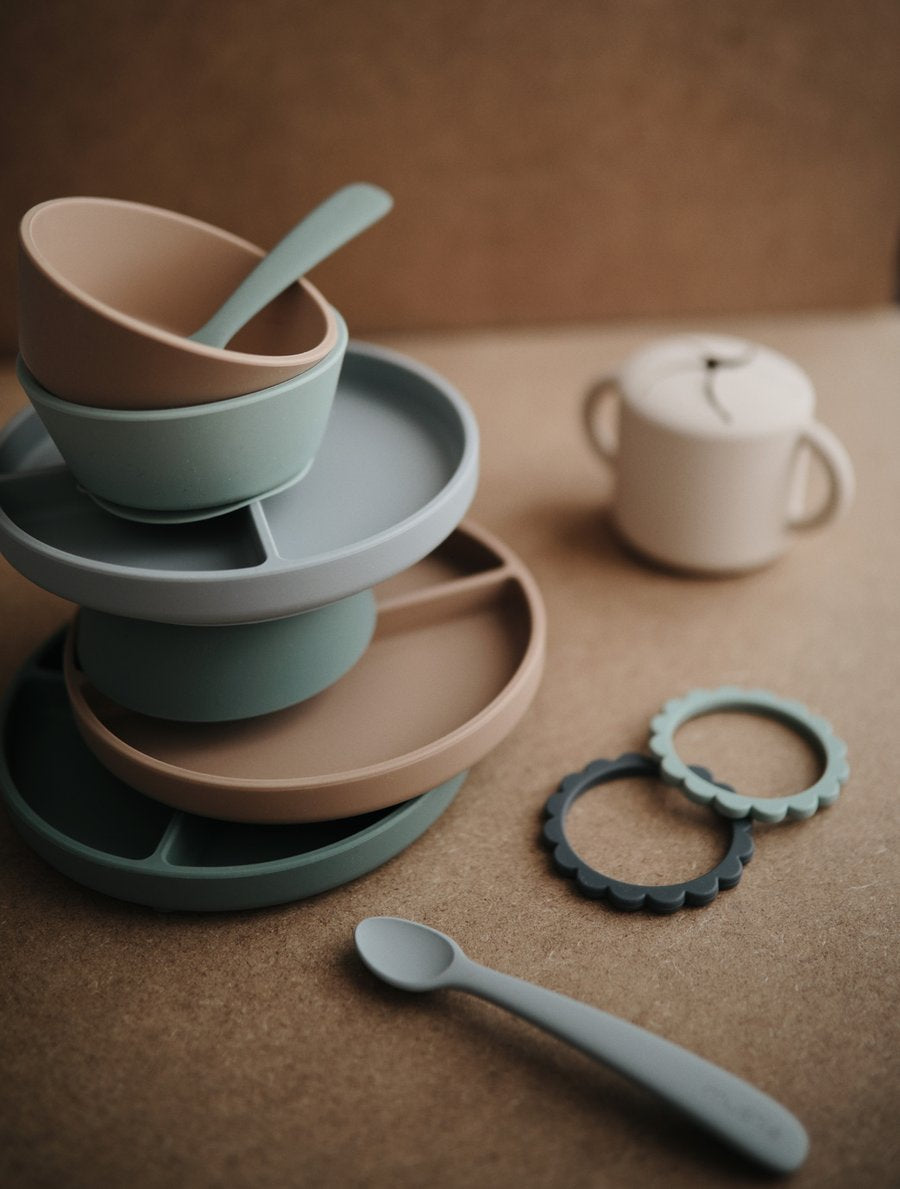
{"x":716,"y":386}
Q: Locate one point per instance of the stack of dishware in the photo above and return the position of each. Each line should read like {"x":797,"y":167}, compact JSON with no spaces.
{"x":288,"y":651}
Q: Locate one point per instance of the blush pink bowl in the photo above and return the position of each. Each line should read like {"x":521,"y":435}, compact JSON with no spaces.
{"x":110,"y":290}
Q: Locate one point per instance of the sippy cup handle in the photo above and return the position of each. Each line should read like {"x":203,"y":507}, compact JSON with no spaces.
{"x":598,"y":433}
{"x":841,"y":479}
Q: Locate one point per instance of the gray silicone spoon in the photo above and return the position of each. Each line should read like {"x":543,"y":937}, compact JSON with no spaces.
{"x":328,"y":227}
{"x":415,"y":957}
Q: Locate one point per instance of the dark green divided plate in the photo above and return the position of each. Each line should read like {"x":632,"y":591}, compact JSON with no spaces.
{"x":100,"y":832}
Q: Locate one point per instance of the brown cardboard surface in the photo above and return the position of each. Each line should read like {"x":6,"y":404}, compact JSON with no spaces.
{"x":254,"y":1050}
{"x":573,"y":160}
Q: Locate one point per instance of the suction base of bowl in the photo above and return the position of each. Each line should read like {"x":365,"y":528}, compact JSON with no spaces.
{"x":191,"y":515}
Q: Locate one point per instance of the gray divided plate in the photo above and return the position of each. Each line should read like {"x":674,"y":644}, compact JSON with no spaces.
{"x":395,"y":475}
{"x":95,"y":829}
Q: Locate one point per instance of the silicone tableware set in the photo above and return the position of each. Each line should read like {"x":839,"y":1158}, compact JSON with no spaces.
{"x":290,"y":646}
{"x":279,"y":674}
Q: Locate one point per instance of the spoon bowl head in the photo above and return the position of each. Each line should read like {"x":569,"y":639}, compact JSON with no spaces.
{"x":404,"y":953}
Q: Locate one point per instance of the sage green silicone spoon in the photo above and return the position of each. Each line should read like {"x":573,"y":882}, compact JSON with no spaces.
{"x":415,"y":957}
{"x":328,"y":227}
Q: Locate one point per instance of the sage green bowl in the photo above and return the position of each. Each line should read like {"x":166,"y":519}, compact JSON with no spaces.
{"x":222,"y":673}
{"x":194,"y":458}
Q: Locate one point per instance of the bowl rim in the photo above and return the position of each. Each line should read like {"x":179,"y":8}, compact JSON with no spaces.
{"x":147,"y":330}
{"x":39,"y":395}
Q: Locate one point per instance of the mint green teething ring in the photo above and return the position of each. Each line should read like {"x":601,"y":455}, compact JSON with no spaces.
{"x":674,"y":770}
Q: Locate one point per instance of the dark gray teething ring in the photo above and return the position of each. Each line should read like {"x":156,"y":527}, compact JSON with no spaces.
{"x":628,"y":897}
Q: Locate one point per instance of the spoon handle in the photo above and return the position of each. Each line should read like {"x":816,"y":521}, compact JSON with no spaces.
{"x":730,"y":1108}
{"x":341,"y":217}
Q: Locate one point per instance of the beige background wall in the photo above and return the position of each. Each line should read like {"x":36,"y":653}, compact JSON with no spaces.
{"x":576,"y":160}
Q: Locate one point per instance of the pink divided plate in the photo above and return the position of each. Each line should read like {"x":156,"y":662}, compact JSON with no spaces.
{"x":456,"y":659}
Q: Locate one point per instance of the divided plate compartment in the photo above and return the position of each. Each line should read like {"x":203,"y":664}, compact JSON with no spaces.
{"x":394,"y":476}
{"x":93,"y":828}
{"x":455,"y":661}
